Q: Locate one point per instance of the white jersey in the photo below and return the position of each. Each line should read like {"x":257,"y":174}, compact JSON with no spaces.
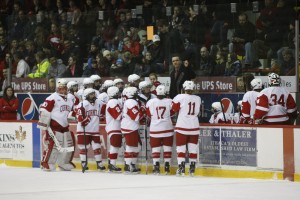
{"x":94,"y":112}
{"x":59,"y":107}
{"x":74,"y":98}
{"x":160,"y":112}
{"x":113,"y":114}
{"x":249,"y":104}
{"x":219,"y":118}
{"x":189,"y":108}
{"x":131,"y":116}
{"x":103,"y":97}
{"x":274,"y":104}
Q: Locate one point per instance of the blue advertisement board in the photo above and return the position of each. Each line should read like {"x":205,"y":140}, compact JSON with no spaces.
{"x":228,"y":146}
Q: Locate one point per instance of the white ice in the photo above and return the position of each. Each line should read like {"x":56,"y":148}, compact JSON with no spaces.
{"x":34,"y":184}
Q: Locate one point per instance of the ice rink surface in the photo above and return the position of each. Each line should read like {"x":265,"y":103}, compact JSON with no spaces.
{"x":34,"y":184}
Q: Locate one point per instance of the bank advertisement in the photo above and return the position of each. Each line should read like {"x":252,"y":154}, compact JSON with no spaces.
{"x":228,"y":146}
{"x":16,"y":141}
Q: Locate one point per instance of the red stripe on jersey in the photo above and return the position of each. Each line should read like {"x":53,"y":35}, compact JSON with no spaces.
{"x":159,"y":132}
{"x":114,"y":112}
{"x":126,"y":130}
{"x":263,"y":102}
{"x":187,"y":129}
{"x":48,"y":105}
{"x":103,"y":108}
{"x":246,"y":109}
{"x":114,"y":131}
{"x":133,"y":112}
{"x":275,"y":116}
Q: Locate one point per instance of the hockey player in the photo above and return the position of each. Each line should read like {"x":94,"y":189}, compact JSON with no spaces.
{"x":53,"y":119}
{"x":113,"y":116}
{"x":97,"y":81}
{"x":249,"y":101}
{"x":88,"y":114}
{"x":161,"y":128}
{"x":145,"y":92}
{"x":103,"y":95}
{"x":120,"y":84}
{"x":218,"y":116}
{"x":134,"y":80}
{"x":72,"y":90}
{"x":236,"y":118}
{"x":87,"y":83}
{"x":131,"y":115}
{"x":187,"y":126}
{"x":275,"y":105}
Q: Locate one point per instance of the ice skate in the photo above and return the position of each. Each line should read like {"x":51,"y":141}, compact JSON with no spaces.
{"x":181,"y":169}
{"x":156,"y":168}
{"x":192,"y":168}
{"x":83,"y":164}
{"x":100,"y":166}
{"x":48,"y":167}
{"x":167,"y":168}
{"x":66,"y":167}
{"x":114,"y":168}
{"x":127,"y":169}
{"x":134,"y":169}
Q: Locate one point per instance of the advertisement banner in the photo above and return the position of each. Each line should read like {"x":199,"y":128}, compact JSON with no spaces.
{"x":215,"y":84}
{"x":228,"y":146}
{"x":27,"y":108}
{"x":16,"y":141}
{"x":24,"y":85}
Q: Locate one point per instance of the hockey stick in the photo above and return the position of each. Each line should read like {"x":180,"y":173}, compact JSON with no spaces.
{"x":51,"y":134}
{"x":223,"y":111}
{"x":84,"y":140}
{"x":146,"y":145}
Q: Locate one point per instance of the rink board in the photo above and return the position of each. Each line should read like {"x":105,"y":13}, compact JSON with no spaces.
{"x":241,"y":151}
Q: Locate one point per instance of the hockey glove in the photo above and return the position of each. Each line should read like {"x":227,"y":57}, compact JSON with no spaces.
{"x":86,"y":121}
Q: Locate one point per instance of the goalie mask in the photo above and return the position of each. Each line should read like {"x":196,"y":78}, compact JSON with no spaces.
{"x":90,"y":95}
{"x":61,"y":87}
{"x":274,"y":79}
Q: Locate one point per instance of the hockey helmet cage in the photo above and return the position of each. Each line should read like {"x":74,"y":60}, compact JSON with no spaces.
{"x":161,"y":90}
{"x":71,"y":84}
{"x":144,"y":84}
{"x":133,"y":77}
{"x":188,"y":85}
{"x":216,"y":107}
{"x":130,"y":92}
{"x":95,"y":77}
{"x":274,"y":79}
{"x":87,"y":81}
{"x":62,"y":83}
{"x":256,"y":84}
{"x":118,"y":80}
{"x":112,"y":91}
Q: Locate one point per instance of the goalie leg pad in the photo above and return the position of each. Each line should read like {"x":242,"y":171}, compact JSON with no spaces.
{"x":50,"y":156}
{"x":65,"y":158}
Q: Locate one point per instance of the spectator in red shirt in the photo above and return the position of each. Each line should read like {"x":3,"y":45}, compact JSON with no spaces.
{"x":8,"y":104}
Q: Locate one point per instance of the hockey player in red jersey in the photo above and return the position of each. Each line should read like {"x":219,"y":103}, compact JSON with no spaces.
{"x":53,"y":119}
{"x":88,"y":114}
{"x":131,"y":116}
{"x":187,"y":126}
{"x":275,"y":105}
{"x":218,"y":116}
{"x":161,"y":128}
{"x":113,"y":116}
{"x":249,"y":101}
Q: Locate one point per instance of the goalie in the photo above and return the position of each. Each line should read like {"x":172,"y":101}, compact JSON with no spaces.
{"x":58,"y":141}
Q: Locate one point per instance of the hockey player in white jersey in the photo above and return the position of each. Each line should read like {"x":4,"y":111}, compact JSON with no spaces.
{"x":161,"y":128}
{"x":219,"y":116}
{"x":87,"y":83}
{"x":131,"y":116}
{"x":249,"y":101}
{"x":97,"y":81}
{"x":88,"y":114}
{"x":120,"y":84}
{"x":187,"y":126}
{"x":275,"y":105}
{"x":103,"y":95}
{"x":113,"y":116}
{"x":53,"y":119}
{"x":134,"y":80}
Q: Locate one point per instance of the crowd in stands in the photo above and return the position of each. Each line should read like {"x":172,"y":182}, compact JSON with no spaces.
{"x":73,"y":38}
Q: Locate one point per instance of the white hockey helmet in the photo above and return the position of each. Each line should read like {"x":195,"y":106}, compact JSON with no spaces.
{"x":95,"y":77}
{"x":274,"y":79}
{"x":108,"y":83}
{"x":118,"y":80}
{"x":133,"y":77}
{"x":112,"y":91}
{"x":144,"y":84}
{"x":161,"y":90}
{"x":87,"y":81}
{"x":216,"y":107}
{"x":256,"y":84}
{"x":62,"y":83}
{"x":239,"y":103}
{"x":188,"y":85}
{"x":71,"y":84}
{"x":87,"y":92}
{"x":130,"y":92}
